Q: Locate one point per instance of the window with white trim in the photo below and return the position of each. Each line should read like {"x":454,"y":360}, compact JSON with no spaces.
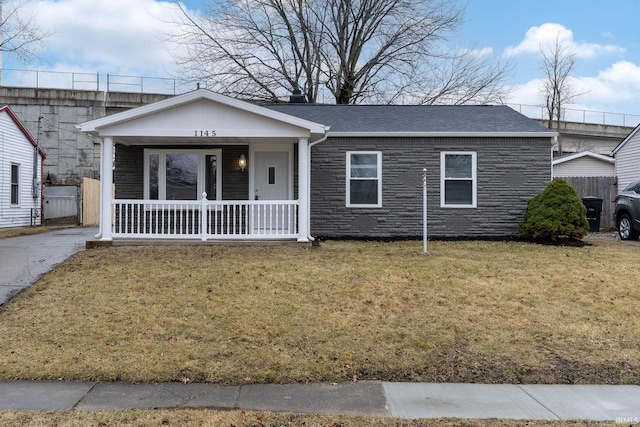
{"x":364,"y":179}
{"x":182,"y":174}
{"x":458,"y":179}
{"x":15,"y":184}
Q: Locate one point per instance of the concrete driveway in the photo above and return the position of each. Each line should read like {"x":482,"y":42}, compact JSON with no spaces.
{"x":24,"y":259}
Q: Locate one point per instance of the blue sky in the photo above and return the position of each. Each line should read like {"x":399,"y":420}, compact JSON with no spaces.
{"x":127,"y":37}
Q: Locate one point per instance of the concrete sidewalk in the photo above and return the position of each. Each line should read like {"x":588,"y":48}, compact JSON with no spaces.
{"x":24,"y":259}
{"x":378,"y":399}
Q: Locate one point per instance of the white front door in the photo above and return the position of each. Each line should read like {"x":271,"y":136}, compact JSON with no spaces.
{"x":271,"y":175}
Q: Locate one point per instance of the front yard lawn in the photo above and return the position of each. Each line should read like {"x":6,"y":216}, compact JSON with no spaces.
{"x":490,"y":312}
{"x":210,"y":418}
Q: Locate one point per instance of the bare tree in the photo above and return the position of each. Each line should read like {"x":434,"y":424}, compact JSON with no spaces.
{"x":20,"y":35}
{"x":557,"y":62}
{"x":353,"y":51}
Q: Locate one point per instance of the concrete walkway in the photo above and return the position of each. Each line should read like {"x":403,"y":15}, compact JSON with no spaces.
{"x":24,"y":259}
{"x":378,"y":399}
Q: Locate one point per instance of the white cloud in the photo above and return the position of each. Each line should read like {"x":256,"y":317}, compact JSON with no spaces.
{"x":546,"y":34}
{"x":615,"y":89}
{"x":623,"y":74}
{"x":115,"y":36}
{"x":527,"y":93}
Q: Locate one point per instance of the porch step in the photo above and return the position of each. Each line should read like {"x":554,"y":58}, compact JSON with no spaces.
{"x":91,"y":244}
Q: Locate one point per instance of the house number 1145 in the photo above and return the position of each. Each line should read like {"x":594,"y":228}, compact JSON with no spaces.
{"x":205,"y":133}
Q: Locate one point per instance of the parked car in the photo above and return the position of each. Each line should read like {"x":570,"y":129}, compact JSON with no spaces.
{"x":627,"y":212}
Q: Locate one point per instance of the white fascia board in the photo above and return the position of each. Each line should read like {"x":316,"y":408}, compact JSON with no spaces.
{"x":443,"y":134}
{"x":584,"y":154}
{"x":624,"y":141}
{"x":94,"y":126}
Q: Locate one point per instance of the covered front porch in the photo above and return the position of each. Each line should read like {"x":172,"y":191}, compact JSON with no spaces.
{"x":203,"y":166}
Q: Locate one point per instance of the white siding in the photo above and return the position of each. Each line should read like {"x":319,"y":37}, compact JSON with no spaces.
{"x":15,"y":148}
{"x":628,"y":161}
{"x":583,"y":166}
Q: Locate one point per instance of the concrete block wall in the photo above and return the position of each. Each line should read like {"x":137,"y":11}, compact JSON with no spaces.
{"x":71,"y":155}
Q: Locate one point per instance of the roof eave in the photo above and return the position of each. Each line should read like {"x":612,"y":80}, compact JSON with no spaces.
{"x":94,"y":127}
{"x":24,"y":130}
{"x":590,"y":154}
{"x":624,"y":141}
{"x":443,"y":134}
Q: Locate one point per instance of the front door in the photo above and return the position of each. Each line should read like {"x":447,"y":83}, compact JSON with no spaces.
{"x":272,"y":175}
{"x":271,"y":172}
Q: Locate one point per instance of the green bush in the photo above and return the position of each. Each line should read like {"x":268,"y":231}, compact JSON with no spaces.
{"x":554,"y":214}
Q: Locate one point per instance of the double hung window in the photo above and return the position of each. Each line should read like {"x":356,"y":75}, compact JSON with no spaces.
{"x":182,"y":174}
{"x":364,"y":179}
{"x":458,"y":182}
{"x":15,"y":184}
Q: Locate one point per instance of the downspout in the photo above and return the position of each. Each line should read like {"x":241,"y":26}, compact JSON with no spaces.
{"x":554,"y":141}
{"x":324,"y":138}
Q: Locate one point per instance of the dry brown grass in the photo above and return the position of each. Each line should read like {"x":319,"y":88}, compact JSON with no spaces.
{"x":23,"y":231}
{"x":490,"y":312}
{"x":212,"y":418}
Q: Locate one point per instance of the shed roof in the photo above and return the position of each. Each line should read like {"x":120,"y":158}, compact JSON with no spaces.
{"x":450,"y":120}
{"x":582,"y":154}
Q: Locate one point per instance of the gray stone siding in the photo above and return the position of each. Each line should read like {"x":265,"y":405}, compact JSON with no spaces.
{"x":509,"y":172}
{"x":129,"y":172}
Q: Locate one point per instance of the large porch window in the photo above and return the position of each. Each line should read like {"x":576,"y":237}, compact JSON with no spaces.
{"x":182,"y":174}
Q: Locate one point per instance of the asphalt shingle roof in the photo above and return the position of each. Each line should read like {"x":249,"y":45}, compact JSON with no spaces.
{"x":414,"y":118}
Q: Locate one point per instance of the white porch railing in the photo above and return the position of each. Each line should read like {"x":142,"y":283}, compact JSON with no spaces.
{"x":205,"y":219}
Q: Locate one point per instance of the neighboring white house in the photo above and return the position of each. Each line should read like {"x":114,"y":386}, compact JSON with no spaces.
{"x":585,"y":163}
{"x":21,"y":163}
{"x":627,"y":155}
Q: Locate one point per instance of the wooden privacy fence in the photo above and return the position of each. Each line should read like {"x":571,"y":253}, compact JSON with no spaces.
{"x":602,"y":187}
{"x":91,"y":201}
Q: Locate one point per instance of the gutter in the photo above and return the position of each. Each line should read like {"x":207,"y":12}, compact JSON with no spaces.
{"x":443,"y":134}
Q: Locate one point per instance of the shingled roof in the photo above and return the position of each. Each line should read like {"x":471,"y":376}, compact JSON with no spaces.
{"x":419,"y":119}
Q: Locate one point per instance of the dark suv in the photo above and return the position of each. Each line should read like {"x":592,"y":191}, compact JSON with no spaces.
{"x":627,"y":212}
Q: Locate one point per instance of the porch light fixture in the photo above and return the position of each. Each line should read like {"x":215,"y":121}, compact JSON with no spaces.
{"x":242,"y":162}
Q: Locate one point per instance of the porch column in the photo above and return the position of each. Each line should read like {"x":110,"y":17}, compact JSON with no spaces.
{"x":106,"y":185}
{"x":303,"y":190}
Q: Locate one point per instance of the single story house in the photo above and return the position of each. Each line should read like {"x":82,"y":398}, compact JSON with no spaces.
{"x":21,"y":165}
{"x":627,"y":155}
{"x":584,"y":164}
{"x":202,"y":165}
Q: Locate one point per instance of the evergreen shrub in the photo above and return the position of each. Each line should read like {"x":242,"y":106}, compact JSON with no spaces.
{"x":555,"y":214}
